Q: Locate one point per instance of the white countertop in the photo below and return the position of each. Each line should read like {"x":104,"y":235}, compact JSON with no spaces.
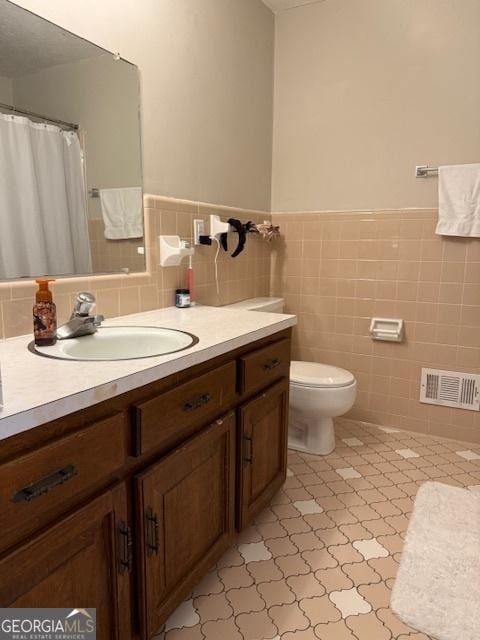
{"x":37,"y":390}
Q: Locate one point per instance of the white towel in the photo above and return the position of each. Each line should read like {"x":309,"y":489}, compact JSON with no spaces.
{"x":122,"y":212}
{"x":459,"y":200}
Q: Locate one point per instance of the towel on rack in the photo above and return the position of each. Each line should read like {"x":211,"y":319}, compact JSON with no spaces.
{"x":459,"y":200}
{"x":122,"y":212}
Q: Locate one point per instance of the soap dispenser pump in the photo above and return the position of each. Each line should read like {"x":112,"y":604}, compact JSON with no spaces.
{"x":44,"y":315}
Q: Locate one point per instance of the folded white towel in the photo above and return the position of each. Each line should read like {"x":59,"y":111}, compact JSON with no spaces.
{"x":459,"y":200}
{"x":122,"y":212}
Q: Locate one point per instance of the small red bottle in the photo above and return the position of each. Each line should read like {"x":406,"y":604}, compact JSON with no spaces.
{"x":44,"y":315}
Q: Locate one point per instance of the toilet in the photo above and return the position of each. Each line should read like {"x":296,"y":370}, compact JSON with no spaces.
{"x":318,"y":393}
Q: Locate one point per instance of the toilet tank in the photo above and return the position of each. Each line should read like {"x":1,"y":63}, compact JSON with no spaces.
{"x":269,"y":305}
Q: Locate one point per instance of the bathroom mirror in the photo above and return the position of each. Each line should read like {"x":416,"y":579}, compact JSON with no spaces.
{"x":70,"y":153}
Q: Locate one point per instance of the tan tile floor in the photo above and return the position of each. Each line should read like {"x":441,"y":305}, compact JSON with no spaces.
{"x":319,"y":563}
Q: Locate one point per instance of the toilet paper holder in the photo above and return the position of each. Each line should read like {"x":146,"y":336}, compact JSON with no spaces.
{"x":389,"y":329}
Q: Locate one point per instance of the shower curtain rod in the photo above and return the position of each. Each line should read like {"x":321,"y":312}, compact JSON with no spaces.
{"x":62,"y":123}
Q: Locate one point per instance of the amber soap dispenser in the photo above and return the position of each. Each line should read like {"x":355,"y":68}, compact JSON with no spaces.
{"x":44,"y":315}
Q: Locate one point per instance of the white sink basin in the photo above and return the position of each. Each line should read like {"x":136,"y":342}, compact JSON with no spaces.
{"x":119,"y":343}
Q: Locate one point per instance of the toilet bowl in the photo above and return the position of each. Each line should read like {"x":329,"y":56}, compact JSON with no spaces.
{"x":318,"y":393}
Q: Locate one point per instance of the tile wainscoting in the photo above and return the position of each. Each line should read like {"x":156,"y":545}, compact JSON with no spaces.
{"x":337,"y":270}
{"x":247,"y":275}
{"x":113,"y":255}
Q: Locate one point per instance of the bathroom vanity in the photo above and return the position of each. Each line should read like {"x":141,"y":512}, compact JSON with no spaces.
{"x":125,"y":504}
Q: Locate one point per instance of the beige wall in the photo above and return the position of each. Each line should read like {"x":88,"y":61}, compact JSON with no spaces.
{"x":207,"y":89}
{"x":6,"y":94}
{"x":367,"y":89}
{"x":338,"y":270}
{"x":101,"y":95}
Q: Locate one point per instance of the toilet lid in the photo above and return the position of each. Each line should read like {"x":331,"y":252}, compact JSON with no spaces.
{"x":314,"y":374}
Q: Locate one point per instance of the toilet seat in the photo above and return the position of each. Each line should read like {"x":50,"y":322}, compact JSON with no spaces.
{"x":317,"y":375}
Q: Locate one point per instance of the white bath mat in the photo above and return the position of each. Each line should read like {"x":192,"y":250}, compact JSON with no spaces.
{"x":437,"y":589}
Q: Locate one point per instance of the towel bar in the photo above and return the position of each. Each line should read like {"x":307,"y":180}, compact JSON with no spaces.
{"x":424,"y":171}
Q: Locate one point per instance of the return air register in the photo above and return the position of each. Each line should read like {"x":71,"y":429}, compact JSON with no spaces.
{"x":450,"y":389}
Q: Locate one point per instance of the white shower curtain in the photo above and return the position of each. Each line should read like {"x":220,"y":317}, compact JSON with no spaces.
{"x":43,"y":219}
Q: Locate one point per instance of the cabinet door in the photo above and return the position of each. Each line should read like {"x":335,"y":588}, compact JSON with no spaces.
{"x":262,"y":451}
{"x":80,"y":562}
{"x":186,"y":519}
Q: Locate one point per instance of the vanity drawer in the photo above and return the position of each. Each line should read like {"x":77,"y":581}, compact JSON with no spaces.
{"x":174,"y":415}
{"x":39,"y":486}
{"x":263,"y":366}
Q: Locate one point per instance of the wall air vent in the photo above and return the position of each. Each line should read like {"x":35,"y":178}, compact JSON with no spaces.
{"x":450,"y":389}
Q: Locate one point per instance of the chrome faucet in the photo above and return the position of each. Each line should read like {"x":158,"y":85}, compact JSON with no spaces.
{"x":81,"y":323}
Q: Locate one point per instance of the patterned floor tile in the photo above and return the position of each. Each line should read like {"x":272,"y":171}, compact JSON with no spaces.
{"x":377,"y":595}
{"x":352,"y":442}
{"x":279,"y":547}
{"x":184,"y":616}
{"x":334,"y":631}
{"x":185,"y":633}
{"x":307,"y":506}
{"x":407,"y":453}
{"x":349,"y":472}
{"x":276,"y":593}
{"x":288,"y":617}
{"x":254,"y":551}
{"x":293,"y":565}
{"x":264,"y":571}
{"x":245,"y":600}
{"x":350,"y":602}
{"x":305,"y":586}
{"x":333,"y":579}
{"x":320,"y":561}
{"x":255,"y":626}
{"x":235,"y":577}
{"x":468,"y":455}
{"x":320,"y":609}
{"x":307,"y":541}
{"x":361,"y":573}
{"x":370,"y":549}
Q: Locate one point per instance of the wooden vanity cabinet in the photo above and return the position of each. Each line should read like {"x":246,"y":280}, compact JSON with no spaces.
{"x":81,"y":561}
{"x":262,"y":449}
{"x":186,"y":515}
{"x":124,"y":506}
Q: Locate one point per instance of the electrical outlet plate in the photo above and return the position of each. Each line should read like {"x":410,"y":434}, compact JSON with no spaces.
{"x":198,"y":230}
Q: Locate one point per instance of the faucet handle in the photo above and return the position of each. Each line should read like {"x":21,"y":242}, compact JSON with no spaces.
{"x":84,"y":304}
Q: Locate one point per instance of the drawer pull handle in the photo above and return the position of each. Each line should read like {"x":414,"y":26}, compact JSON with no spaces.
{"x":272,"y":364}
{"x":249,"y":458}
{"x":45,"y":485}
{"x":196,"y":403}
{"x":151,"y":522}
{"x":126,"y":545}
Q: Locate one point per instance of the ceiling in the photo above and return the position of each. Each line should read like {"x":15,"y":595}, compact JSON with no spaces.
{"x":281,"y":5}
{"x":29,"y":43}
